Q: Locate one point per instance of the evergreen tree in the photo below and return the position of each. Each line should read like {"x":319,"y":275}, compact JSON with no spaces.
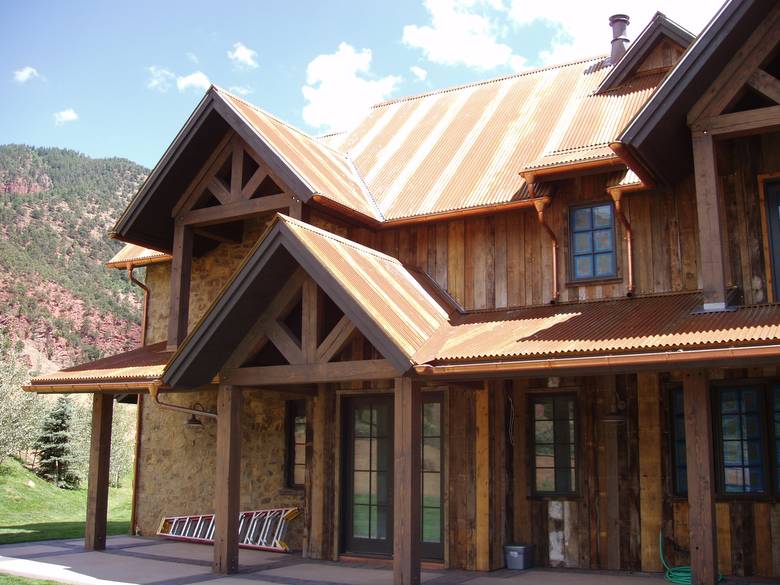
{"x":53,"y":445}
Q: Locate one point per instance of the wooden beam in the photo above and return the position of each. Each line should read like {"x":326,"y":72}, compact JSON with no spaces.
{"x":181,"y":270}
{"x":196,"y":186}
{"x":218,"y":189}
{"x":312,"y":373}
{"x":701,"y":478}
{"x":711,"y":253}
{"x":650,"y":475}
{"x":765,"y":84}
{"x":235,"y":210}
{"x":744,"y":123}
{"x":236,"y":170}
{"x":284,"y":342}
{"x":228,"y":480}
{"x":482,"y":477}
{"x":406,"y":481}
{"x":310,"y":321}
{"x":320,"y":484}
{"x":335,"y":341}
{"x":99,"y":464}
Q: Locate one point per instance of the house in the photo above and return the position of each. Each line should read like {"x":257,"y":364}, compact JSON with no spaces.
{"x":539,"y":309}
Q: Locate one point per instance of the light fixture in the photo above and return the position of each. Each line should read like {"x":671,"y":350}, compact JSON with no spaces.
{"x":194,"y":422}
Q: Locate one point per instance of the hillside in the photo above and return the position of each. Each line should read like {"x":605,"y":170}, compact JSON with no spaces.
{"x":57,"y":300}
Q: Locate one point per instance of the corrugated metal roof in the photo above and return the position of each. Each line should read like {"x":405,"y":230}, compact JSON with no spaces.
{"x":142,"y":364}
{"x":380,"y":284}
{"x":136,"y":255}
{"x":664,"y":322}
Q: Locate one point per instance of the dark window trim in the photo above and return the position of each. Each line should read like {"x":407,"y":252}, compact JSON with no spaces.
{"x":292,"y":409}
{"x":532,"y":399}
{"x":671,"y":389}
{"x":572,"y":279}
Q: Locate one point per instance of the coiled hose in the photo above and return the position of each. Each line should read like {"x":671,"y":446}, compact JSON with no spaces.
{"x":679,"y":575}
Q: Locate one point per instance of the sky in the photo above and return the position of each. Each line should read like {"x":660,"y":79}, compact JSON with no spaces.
{"x":121,"y":78}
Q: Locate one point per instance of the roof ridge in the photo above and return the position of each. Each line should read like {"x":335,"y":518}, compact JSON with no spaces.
{"x":452,"y":88}
{"x":364,"y":186}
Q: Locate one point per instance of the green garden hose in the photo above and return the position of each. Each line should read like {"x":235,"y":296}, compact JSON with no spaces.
{"x":679,"y":575}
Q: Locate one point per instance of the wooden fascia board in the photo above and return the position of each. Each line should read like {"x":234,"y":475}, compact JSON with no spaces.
{"x":264,"y":149}
{"x":165,"y":163}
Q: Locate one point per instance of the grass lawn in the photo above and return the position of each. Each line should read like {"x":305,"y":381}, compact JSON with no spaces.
{"x":33,"y":509}
{"x":13,"y":580}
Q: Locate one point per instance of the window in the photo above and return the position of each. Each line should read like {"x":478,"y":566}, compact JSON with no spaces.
{"x":296,"y":443}
{"x":554,"y":444}
{"x":741,"y":440}
{"x":432,"y":484}
{"x":593,"y":242}
{"x":679,"y":465}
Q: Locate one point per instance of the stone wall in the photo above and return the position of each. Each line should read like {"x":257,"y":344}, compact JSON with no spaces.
{"x":177,"y":464}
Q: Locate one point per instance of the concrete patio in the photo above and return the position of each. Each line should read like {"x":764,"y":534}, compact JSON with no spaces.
{"x":151,"y":561}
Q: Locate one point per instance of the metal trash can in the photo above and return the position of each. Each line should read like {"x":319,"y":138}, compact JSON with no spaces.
{"x":519,"y":556}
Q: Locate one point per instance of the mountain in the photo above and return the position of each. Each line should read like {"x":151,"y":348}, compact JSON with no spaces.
{"x":58,"y":302}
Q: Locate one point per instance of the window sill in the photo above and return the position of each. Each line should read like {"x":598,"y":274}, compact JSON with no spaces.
{"x":593,"y":281}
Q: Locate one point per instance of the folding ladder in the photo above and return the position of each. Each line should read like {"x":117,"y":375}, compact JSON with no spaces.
{"x":258,"y":529}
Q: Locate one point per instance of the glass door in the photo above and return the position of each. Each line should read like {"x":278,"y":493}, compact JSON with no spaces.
{"x":432,"y":478}
{"x":368,"y":477}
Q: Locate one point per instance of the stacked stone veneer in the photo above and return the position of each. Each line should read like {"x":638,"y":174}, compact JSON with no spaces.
{"x":177,"y":464}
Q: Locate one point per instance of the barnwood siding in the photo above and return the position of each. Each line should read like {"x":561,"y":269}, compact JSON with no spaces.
{"x":504,"y":260}
{"x":740,"y":161}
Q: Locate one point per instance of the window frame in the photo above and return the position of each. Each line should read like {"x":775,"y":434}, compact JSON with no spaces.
{"x":572,"y":279}
{"x":293,"y":409}
{"x":531,"y":419}
{"x":673,"y":439}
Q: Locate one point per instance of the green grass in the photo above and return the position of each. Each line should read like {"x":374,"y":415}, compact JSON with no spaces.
{"x":14,"y":580}
{"x":33,"y":509}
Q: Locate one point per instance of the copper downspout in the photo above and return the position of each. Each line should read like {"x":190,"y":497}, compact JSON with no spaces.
{"x":617,"y":195}
{"x":540,"y":203}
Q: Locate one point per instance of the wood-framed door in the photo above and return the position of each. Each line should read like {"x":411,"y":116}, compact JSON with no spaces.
{"x":367,"y":517}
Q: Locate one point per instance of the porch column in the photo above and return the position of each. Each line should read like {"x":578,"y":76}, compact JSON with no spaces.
{"x":227,"y":492}
{"x":701,"y":493}
{"x":97,"y":480}
{"x":712,"y":250}
{"x":406,"y":493}
{"x":181,"y":269}
{"x":320,"y":487}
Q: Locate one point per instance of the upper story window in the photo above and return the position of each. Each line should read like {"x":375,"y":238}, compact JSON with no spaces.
{"x":296,"y":443}
{"x":554,"y":444}
{"x":593,"y":242}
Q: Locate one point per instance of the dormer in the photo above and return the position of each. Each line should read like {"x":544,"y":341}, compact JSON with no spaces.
{"x":656,"y":50}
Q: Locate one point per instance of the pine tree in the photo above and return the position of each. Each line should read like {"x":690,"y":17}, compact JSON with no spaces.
{"x":53,"y":445}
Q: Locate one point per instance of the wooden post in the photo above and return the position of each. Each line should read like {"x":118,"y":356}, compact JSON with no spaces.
{"x":650,"y":475}
{"x":99,"y":463}
{"x":320,"y":478}
{"x":406,"y":494}
{"x":711,"y":245}
{"x":227,"y":492}
{"x":701,"y":489}
{"x":482,"y":477}
{"x":181,"y":269}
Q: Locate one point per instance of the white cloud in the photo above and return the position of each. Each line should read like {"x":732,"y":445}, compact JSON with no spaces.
{"x":193,"y":57}
{"x":196,"y":80}
{"x":340,"y":88}
{"x":420,"y":73}
{"x":243,"y":56}
{"x":581,"y":29}
{"x":67,"y":115}
{"x":160,"y":78}
{"x":241,"y":90}
{"x":463,"y":32}
{"x":25,"y":74}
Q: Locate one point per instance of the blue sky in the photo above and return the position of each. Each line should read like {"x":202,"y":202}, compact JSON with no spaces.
{"x":120,"y":78}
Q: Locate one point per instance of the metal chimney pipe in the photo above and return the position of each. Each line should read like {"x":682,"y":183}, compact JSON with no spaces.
{"x":619,"y":24}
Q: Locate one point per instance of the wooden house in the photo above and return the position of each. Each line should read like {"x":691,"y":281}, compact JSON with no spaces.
{"x":536,"y":309}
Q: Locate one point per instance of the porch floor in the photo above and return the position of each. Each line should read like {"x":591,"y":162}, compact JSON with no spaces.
{"x":151,"y":561}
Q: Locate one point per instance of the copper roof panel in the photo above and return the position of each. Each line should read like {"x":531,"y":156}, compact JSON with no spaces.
{"x":137,"y":256}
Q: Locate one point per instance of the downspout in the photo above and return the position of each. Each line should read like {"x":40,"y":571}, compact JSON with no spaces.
{"x":154,"y":391}
{"x":540,"y":203}
{"x":617,"y":196}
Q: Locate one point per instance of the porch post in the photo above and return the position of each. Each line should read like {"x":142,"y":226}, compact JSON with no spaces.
{"x":320,"y":487}
{"x":181,"y":268}
{"x":406,"y":493}
{"x":701,"y":493}
{"x":97,"y":481}
{"x":227,"y":492}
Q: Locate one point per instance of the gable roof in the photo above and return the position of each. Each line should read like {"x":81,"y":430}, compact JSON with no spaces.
{"x":658,"y":136}
{"x":660,"y":26}
{"x":132,"y":255}
{"x":381,"y":298}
